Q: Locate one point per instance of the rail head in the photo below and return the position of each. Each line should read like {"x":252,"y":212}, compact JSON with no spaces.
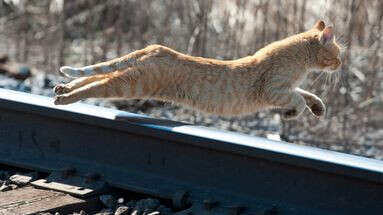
{"x":163,"y":158}
{"x":331,"y":161}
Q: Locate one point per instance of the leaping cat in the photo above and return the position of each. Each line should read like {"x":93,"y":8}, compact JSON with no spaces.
{"x":267,"y":79}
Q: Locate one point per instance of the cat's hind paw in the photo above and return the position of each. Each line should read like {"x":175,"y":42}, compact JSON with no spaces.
{"x":61,"y":89}
{"x":61,"y":100}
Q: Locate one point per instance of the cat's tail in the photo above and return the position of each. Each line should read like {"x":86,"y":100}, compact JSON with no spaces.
{"x":100,"y":68}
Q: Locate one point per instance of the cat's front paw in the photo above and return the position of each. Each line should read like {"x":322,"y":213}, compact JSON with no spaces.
{"x":318,"y":108}
{"x":61,"y":89}
{"x":61,"y":100}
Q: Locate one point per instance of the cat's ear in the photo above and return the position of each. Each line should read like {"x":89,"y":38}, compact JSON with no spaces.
{"x":327,"y":35}
{"x":319,"y":25}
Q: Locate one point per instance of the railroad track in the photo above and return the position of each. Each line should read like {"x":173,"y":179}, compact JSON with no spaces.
{"x":87,"y":150}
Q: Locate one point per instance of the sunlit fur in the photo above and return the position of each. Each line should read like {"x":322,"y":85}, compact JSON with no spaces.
{"x":267,"y":79}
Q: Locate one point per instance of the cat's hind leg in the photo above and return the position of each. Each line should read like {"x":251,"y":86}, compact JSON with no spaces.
{"x":114,"y":85}
{"x":76,"y":83}
{"x":95,"y":89}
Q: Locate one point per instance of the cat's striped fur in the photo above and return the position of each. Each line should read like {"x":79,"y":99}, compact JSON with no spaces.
{"x":269,"y":78}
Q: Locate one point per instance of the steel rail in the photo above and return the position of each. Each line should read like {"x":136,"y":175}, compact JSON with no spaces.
{"x":207,"y":170}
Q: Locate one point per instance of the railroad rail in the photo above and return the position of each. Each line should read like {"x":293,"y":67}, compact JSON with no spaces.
{"x":88,"y":150}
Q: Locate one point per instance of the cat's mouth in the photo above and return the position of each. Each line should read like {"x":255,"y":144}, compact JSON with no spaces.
{"x":335,"y":66}
{"x":332,"y":68}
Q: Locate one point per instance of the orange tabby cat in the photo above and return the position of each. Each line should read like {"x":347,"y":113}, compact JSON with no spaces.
{"x":269,"y":78}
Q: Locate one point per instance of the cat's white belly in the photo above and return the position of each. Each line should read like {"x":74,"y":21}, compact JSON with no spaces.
{"x":222,"y":101}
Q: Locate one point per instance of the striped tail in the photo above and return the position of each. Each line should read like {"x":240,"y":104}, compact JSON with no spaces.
{"x":100,"y":68}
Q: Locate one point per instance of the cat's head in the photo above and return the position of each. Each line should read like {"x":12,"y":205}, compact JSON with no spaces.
{"x":328,"y":53}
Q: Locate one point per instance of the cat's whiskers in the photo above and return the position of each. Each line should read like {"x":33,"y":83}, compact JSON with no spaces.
{"x":328,"y":74}
{"x":317,"y":79}
{"x":327,"y":89}
{"x":336,"y":79}
{"x":330,"y":80}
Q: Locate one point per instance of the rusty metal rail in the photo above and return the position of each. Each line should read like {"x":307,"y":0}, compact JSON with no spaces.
{"x":88,"y":149}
